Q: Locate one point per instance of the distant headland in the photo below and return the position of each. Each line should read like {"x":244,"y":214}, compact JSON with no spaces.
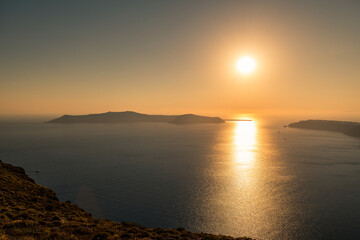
{"x":348,"y":128}
{"x":134,"y":117}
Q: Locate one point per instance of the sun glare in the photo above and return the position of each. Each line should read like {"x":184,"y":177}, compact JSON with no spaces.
{"x":246,"y":65}
{"x":245,"y":143}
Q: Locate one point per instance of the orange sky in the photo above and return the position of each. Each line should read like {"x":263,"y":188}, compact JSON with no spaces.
{"x":179,"y":57}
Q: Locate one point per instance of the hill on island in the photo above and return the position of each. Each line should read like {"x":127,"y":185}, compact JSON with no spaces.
{"x":29,"y":211}
{"x":132,"y":117}
{"x":348,"y":128}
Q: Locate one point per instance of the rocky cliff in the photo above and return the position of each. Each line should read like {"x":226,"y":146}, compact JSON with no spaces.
{"x":29,"y":211}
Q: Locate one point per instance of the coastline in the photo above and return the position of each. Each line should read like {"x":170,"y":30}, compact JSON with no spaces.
{"x":30,"y":211}
{"x":348,"y":128}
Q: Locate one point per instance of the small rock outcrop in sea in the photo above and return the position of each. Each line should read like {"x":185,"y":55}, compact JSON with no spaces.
{"x":348,"y":128}
{"x":134,"y":117}
{"x":32,"y":212}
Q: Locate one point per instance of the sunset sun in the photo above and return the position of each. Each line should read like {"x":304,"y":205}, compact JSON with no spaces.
{"x":246,"y":65}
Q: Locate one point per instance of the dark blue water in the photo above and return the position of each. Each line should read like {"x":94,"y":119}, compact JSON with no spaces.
{"x":239,"y":178}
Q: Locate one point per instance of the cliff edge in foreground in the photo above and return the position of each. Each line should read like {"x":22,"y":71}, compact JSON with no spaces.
{"x":348,"y":128}
{"x":32,"y":212}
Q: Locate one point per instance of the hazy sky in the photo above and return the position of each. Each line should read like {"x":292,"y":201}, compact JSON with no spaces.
{"x":76,"y":57}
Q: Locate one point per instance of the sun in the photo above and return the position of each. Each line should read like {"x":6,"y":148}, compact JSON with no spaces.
{"x":246,"y":65}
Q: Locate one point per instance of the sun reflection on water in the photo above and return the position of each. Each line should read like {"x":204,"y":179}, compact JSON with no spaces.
{"x":245,"y":144}
{"x":243,"y":193}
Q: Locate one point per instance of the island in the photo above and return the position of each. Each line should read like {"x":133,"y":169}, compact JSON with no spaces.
{"x":134,"y":117}
{"x":30,"y":211}
{"x":348,"y":128}
{"x":191,"y":118}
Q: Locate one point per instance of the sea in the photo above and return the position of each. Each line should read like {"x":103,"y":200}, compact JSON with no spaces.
{"x":243,"y":178}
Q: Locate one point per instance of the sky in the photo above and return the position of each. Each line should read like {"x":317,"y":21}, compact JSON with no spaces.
{"x":174,"y":57}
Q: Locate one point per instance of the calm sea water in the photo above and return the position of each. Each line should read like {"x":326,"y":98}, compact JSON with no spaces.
{"x":239,"y":178}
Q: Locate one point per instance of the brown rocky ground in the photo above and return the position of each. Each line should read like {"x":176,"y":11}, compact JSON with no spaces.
{"x":29,"y":211}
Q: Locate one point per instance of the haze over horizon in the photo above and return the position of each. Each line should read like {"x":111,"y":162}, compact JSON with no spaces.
{"x":175,"y":57}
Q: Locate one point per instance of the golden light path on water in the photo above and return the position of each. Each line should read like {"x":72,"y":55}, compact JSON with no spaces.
{"x":245,"y":143}
{"x":257,"y":202}
{"x":252,"y":169}
{"x":243,"y":194}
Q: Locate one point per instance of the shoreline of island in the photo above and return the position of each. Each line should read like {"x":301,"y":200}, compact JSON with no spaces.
{"x":348,"y":128}
{"x":135,"y":117}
